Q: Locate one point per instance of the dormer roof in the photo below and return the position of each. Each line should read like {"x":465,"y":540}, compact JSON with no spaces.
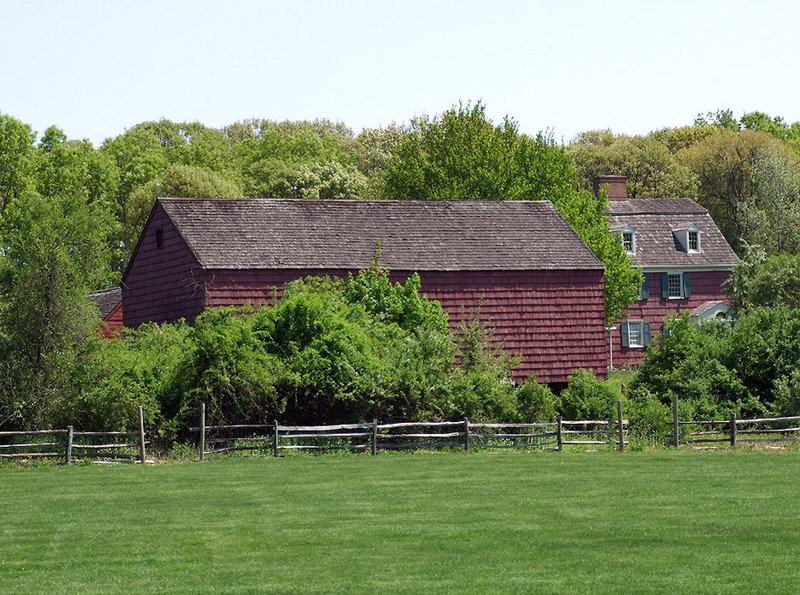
{"x":662,"y":225}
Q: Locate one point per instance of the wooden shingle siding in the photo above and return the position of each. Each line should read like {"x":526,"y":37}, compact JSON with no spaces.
{"x":162,"y":284}
{"x":706,"y":286}
{"x":552,"y":319}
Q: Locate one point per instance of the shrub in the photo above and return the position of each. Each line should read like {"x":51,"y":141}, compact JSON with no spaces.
{"x":586,"y":397}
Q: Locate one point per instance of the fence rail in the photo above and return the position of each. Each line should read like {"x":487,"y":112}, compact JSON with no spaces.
{"x":74,"y":445}
{"x":373,"y":437}
{"x":732,"y":431}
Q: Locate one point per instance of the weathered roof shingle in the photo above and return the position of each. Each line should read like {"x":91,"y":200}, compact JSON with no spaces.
{"x":653,"y":221}
{"x":342,"y":234}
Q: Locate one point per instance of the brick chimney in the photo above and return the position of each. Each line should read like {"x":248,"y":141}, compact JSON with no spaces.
{"x":617,"y":186}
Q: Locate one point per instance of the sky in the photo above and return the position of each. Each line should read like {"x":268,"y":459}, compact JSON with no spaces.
{"x":96,"y":68}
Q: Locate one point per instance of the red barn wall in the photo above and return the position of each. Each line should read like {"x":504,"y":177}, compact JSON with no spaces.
{"x":112,"y":324}
{"x":706,"y":286}
{"x":553,"y":319}
{"x":162,"y":284}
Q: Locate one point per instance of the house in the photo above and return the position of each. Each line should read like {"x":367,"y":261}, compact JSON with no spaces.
{"x":535,"y":282}
{"x":685,"y":259}
{"x":109,"y":304}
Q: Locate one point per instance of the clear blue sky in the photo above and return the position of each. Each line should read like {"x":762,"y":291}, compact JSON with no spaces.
{"x":95,"y":68}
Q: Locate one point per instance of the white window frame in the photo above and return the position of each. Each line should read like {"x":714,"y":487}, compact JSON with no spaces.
{"x":628,"y":230}
{"x":689,"y":232}
{"x":634,"y":327}
{"x":670,"y":277}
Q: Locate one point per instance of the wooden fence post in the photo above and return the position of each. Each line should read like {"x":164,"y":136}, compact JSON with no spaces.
{"x":275,"y":439}
{"x":560,"y":437}
{"x":202,"y":431}
{"x":675,"y":420}
{"x":619,"y":426}
{"x":733,"y":429}
{"x":466,"y":434}
{"x":141,"y":436}
{"x":68,"y":454}
{"x":374,"y":437}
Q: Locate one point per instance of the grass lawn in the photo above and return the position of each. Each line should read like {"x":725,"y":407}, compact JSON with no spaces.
{"x":688,"y":522}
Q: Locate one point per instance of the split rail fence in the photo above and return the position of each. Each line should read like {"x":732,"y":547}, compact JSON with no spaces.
{"x":732,"y":431}
{"x":73,"y":445}
{"x":373,"y":437}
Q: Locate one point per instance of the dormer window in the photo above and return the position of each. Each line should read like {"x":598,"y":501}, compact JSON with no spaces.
{"x":693,"y":242}
{"x":629,"y":239}
{"x":688,"y":239}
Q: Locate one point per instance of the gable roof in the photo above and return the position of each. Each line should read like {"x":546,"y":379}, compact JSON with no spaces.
{"x":414,"y":235}
{"x":654,"y":220}
{"x":106,"y":300}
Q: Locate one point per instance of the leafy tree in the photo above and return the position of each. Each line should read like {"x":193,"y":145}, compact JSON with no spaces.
{"x":55,"y":251}
{"x":462,"y":155}
{"x":724,"y":165}
{"x":762,"y":281}
{"x":649,"y":166}
{"x":374,"y":150}
{"x":16,"y":149}
{"x":771,"y":217}
{"x":330,"y":180}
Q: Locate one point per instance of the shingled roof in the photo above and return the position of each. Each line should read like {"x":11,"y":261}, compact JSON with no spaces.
{"x":106,"y":300}
{"x":655,"y":219}
{"x":342,"y":234}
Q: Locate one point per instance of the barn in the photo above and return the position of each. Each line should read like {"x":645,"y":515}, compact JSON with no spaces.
{"x":535,"y":282}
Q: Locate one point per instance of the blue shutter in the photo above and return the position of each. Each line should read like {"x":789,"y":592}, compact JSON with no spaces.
{"x":664,"y":285}
{"x":687,"y":286}
{"x":623,"y":329}
{"x":646,"y":340}
{"x":644,"y":290}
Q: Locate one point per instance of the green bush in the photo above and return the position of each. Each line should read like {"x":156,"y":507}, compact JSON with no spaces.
{"x":586,"y":397}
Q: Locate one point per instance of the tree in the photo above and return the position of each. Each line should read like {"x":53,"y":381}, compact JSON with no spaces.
{"x":724,"y":165}
{"x":759,"y":280}
{"x":771,"y":217}
{"x":55,"y":250}
{"x":462,"y":155}
{"x":16,"y":150}
{"x":647,"y":163}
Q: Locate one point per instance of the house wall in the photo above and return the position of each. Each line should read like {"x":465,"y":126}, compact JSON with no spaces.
{"x":112,"y":324}
{"x":706,"y":285}
{"x":162,"y":284}
{"x":553,"y":319}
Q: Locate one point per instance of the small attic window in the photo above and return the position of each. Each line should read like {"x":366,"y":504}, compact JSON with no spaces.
{"x":629,"y":239}
{"x":159,"y":238}
{"x":693,"y":240}
{"x":688,"y":239}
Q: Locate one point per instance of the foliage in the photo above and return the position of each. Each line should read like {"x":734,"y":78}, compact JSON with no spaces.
{"x":771,"y":217}
{"x":54,"y":252}
{"x":462,"y":155}
{"x":647,"y":163}
{"x":536,"y":402}
{"x":330,"y":180}
{"x":759,"y":280}
{"x":586,"y":397}
{"x":724,"y":165}
{"x":716,"y":368}
{"x":16,"y":152}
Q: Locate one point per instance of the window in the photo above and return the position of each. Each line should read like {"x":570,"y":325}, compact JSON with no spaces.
{"x":159,"y":238}
{"x":635,"y":334}
{"x":629,"y":239}
{"x":676,"y":286}
{"x":694,"y":240}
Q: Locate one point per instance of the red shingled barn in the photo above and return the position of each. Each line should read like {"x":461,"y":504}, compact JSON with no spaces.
{"x":535,"y":281}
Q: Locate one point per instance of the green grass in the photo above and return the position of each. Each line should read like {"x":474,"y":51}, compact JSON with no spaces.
{"x":408,"y":523}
